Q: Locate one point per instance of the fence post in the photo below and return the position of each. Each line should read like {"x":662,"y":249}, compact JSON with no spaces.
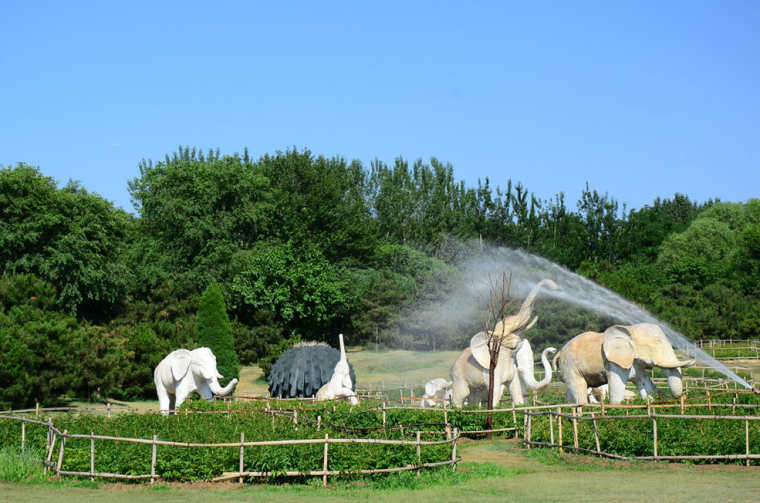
{"x":514,"y":417}
{"x":36,"y":409}
{"x":530,"y":423}
{"x":746,"y":439}
{"x":23,"y":435}
{"x":324,"y":462}
{"x":153,"y":460}
{"x":733,"y":404}
{"x":383,"y":415}
{"x":60,"y":453}
{"x":108,"y":410}
{"x":551,"y":428}
{"x":242,"y":456}
{"x":92,"y":456}
{"x":709,"y":402}
{"x":559,"y":427}
{"x":50,"y":444}
{"x":295,"y":417}
{"x":454,"y":449}
{"x":596,"y":434}
{"x":654,"y":434}
{"x":319,"y":423}
{"x":419,"y":458}
{"x":448,"y":431}
{"x":575,"y":429}
{"x":683,"y":400}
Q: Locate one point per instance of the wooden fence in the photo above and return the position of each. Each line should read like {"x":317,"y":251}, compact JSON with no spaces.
{"x":576,"y":417}
{"x":54,"y":435}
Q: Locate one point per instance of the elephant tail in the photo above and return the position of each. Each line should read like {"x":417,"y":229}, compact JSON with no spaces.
{"x":554,"y":361}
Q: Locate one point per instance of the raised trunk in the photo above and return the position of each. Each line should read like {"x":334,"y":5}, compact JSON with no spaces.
{"x":527,"y":306}
{"x":527,"y":376}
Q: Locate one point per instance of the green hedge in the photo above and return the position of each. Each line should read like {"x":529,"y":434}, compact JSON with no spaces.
{"x":675,"y":437}
{"x":184,"y":464}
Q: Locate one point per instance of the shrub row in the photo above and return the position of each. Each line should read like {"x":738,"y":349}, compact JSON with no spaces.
{"x":675,"y":437}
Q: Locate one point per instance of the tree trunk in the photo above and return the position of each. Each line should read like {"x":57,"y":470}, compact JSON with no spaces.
{"x":491,"y":371}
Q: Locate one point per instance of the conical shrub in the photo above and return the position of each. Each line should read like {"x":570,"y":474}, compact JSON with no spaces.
{"x":215,"y":331}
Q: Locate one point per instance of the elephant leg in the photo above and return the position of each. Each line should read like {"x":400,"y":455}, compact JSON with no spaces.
{"x":644,"y":384}
{"x":577,"y":392}
{"x":180,"y":397}
{"x":460,"y":391}
{"x":498,"y":391}
{"x":515,"y":390}
{"x":164,"y":400}
{"x":616,"y":379}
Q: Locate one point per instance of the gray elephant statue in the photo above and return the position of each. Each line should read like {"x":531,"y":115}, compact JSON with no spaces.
{"x":620,"y":354}
{"x":184,"y":371}
{"x":514,"y":368}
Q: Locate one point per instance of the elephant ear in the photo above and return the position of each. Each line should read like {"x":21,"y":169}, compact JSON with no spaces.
{"x":618,"y":346}
{"x":479,"y":348}
{"x":180,"y":364}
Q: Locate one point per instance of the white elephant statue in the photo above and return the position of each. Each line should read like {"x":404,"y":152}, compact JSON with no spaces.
{"x":184,"y":371}
{"x":514,"y":367}
{"x":340,"y":384}
{"x":437,"y":392}
{"x":619,"y":354}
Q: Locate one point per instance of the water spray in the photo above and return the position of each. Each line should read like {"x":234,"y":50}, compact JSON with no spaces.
{"x":583,"y":292}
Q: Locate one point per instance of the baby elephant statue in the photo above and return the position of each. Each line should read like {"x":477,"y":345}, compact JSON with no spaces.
{"x":619,"y":354}
{"x":184,"y":371}
{"x":340,"y":384}
{"x":437,"y":392}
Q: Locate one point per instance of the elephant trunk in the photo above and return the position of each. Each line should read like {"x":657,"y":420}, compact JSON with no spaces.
{"x":523,"y":316}
{"x":675,"y":381}
{"x":217,"y":389}
{"x":527,"y":373}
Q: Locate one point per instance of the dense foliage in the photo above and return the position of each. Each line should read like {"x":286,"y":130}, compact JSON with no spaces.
{"x":304,"y":247}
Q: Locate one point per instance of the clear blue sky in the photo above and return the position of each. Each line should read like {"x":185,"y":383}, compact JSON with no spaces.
{"x":640,"y":99}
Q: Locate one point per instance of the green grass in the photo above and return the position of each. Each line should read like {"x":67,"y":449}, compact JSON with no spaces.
{"x":20,"y":466}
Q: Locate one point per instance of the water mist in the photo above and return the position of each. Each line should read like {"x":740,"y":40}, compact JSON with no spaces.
{"x":528,"y":269}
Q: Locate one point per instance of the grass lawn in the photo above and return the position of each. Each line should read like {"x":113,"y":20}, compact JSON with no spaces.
{"x":384,"y":369}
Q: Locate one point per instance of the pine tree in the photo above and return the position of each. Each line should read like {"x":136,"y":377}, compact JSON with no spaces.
{"x":215,"y":331}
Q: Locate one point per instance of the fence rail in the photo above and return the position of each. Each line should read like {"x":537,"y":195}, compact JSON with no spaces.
{"x":576,"y":417}
{"x":55,"y":435}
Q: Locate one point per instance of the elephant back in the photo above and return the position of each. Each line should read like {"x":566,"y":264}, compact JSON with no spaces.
{"x":302,"y":370}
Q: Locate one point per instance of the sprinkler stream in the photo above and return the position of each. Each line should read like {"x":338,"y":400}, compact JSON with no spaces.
{"x":576,"y":289}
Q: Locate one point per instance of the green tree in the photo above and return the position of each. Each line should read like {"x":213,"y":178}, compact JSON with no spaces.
{"x":69,"y":237}
{"x":215,"y":331}
{"x":294,"y":284}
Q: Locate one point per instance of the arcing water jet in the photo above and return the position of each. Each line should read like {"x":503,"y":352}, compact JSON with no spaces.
{"x":528,"y":269}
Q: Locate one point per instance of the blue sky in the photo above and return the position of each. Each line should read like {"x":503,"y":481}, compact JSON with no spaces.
{"x":640,"y":99}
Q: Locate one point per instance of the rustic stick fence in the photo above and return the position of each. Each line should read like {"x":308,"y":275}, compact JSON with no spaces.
{"x":56,"y":436}
{"x":576,"y":417}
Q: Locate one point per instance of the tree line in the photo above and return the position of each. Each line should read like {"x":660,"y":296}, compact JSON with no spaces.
{"x":304,"y":247}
